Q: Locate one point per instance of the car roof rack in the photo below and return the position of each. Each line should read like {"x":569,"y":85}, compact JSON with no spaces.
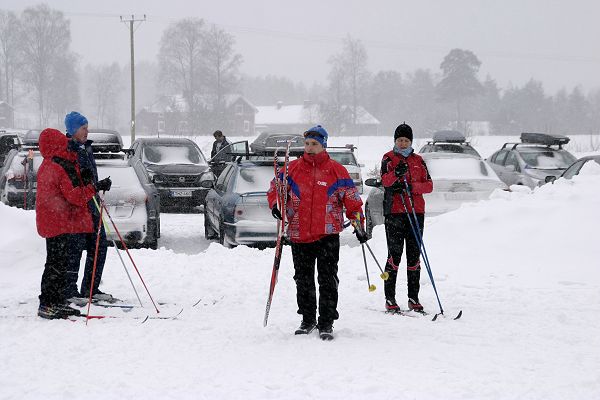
{"x":544,"y":138}
{"x":448,"y":136}
{"x":349,"y":146}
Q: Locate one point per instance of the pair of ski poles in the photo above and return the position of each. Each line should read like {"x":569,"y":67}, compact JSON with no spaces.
{"x":416,"y":230}
{"x":101,"y":209}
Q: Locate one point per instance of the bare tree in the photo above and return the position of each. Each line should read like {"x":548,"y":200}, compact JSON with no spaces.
{"x":181,"y":61}
{"x":10,"y":53}
{"x":104,"y":83}
{"x":222,"y":67}
{"x":349,"y":78}
{"x":46,"y":40}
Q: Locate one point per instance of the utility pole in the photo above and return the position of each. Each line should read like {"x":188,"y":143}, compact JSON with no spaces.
{"x":131,"y":30}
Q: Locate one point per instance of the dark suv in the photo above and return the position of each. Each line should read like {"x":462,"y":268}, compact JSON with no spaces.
{"x":449,"y":142}
{"x":177,"y":168}
{"x":9,"y":140}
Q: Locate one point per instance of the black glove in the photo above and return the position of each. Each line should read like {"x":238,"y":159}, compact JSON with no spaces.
{"x":401,"y":186}
{"x":104,"y":185}
{"x":360,"y":233}
{"x":401,"y":170}
{"x":276,"y":213}
{"x":87,"y":176}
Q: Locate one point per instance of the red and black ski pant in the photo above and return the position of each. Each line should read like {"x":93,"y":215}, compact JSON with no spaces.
{"x":55,"y":269}
{"x":326,"y":253}
{"x":398,"y":231}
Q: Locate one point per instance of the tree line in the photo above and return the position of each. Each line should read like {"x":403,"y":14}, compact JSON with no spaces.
{"x":198,"y":62}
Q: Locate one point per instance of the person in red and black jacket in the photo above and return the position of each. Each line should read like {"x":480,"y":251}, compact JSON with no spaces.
{"x":61,"y":209}
{"x":318,"y":190}
{"x":400,"y":167}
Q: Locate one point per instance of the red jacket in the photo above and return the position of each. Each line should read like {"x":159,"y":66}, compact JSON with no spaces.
{"x":61,"y":199}
{"x":318,"y":190}
{"x":417,"y":176}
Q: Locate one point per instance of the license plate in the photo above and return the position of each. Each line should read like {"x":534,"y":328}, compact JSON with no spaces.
{"x":181,"y":193}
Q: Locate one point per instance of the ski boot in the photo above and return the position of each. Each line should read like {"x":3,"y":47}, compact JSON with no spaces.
{"x":306,"y":327}
{"x":326,"y":332}
{"x":391,"y":306}
{"x":415,"y":306}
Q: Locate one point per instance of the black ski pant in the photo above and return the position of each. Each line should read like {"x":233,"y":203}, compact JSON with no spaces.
{"x":326,"y":253}
{"x":78,"y":242}
{"x":398,"y":231}
{"x":55,"y":269}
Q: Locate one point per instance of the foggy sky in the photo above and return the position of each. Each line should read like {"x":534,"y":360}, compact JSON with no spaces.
{"x":557,"y":42}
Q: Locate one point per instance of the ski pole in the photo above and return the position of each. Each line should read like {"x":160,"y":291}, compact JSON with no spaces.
{"x":107,"y":229}
{"x":129,"y":254}
{"x":372,"y":288}
{"x":384,"y":274}
{"x":421,"y":247}
{"x":95,"y":264}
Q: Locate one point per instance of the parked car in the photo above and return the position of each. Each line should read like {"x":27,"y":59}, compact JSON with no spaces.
{"x":268,"y":142}
{"x":347,"y":157}
{"x":133,"y":203}
{"x":236,"y":209}
{"x":449,"y":142}
{"x":575,"y":168}
{"x":457,"y":179}
{"x":18,"y":177}
{"x":9,"y":140}
{"x":529,"y":163}
{"x":177,"y":167}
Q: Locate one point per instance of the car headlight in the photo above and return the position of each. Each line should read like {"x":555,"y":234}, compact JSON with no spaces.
{"x":355,"y":176}
{"x":155,"y":178}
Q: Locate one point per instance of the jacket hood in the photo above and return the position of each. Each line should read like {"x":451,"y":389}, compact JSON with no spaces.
{"x":54,"y":144}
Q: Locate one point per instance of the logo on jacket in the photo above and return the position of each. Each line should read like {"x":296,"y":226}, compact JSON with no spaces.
{"x":321,"y":183}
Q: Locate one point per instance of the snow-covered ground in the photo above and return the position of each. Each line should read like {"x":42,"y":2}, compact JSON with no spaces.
{"x":523,"y":267}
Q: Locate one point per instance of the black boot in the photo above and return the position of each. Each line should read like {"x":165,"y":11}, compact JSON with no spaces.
{"x":389,"y":285}
{"x":306,"y":327}
{"x":326,"y":331}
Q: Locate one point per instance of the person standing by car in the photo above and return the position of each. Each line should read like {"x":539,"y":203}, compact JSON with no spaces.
{"x":319,"y":189}
{"x":61,"y":211}
{"x":218,"y":158}
{"x":77,"y":131}
{"x":399,"y":167}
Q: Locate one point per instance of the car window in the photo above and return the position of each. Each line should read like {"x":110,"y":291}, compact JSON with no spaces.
{"x":343,"y":158}
{"x":573,"y":169}
{"x":254,"y":178}
{"x":547,"y":158}
{"x":221,"y":182}
{"x":500,"y":157}
{"x":511,"y":159}
{"x":173,"y":154}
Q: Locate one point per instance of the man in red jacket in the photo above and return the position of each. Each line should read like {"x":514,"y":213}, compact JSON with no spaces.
{"x":400,"y":167}
{"x":61,"y":209}
{"x":319,"y":189}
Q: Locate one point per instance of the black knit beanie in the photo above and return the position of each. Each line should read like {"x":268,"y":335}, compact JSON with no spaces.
{"x":403,"y":130}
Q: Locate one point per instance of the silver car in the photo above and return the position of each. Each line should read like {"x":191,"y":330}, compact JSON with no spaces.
{"x":236,"y":210}
{"x":457,"y":179}
{"x":530,"y":162}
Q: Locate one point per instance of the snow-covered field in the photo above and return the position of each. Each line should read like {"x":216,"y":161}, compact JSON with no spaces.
{"x":523,"y":267}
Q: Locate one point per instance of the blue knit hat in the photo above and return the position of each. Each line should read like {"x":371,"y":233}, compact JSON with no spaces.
{"x":317,"y":133}
{"x":74,"y":121}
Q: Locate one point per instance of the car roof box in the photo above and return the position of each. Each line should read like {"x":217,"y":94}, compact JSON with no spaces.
{"x":544,"y":138}
{"x":448,"y":137}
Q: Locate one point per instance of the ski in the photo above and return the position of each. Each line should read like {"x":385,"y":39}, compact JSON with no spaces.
{"x":143,"y":318}
{"x":281,"y":190}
